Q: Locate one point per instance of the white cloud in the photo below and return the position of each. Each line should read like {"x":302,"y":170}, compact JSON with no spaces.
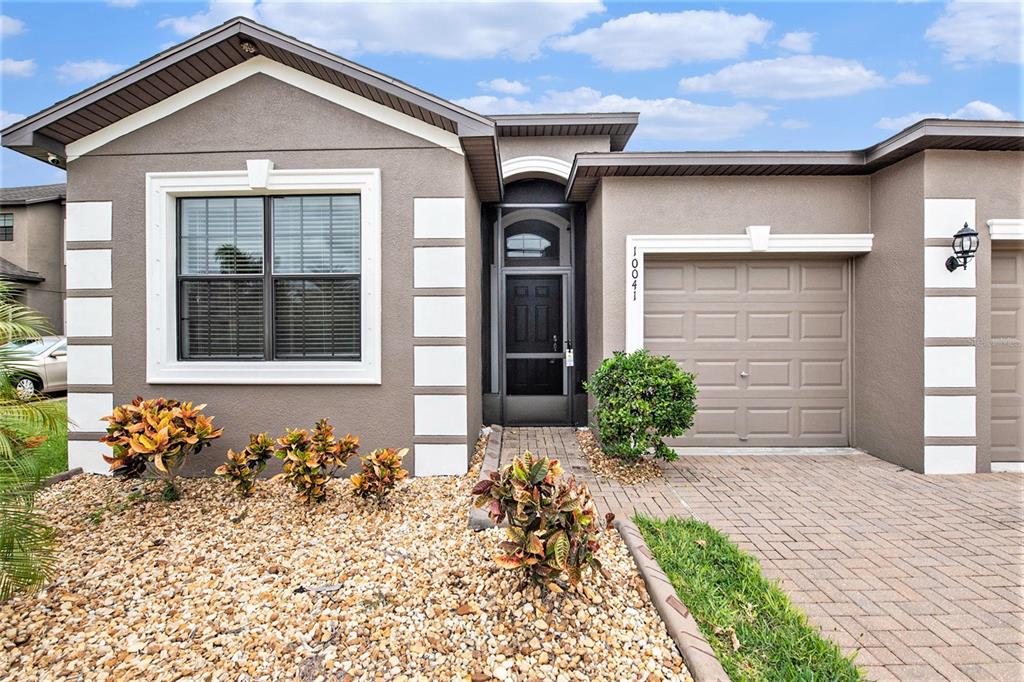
{"x":9,"y":117}
{"x":86,"y":71}
{"x":670,"y":118}
{"x":9,"y":26}
{"x":504,"y":86}
{"x":795,"y":124}
{"x":798,"y":41}
{"x":17,"y":68}
{"x":800,"y":77}
{"x":646,"y":40}
{"x":451,"y":30}
{"x":980,"y":31}
{"x":975,"y":110}
{"x":910,"y":77}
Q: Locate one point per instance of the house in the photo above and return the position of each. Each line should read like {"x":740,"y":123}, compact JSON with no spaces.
{"x":31,"y":247}
{"x":281,"y":233}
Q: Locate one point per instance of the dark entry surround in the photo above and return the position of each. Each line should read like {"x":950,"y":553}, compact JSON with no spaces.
{"x":534,"y":320}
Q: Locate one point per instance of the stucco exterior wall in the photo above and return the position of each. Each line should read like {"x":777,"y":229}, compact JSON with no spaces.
{"x":995,"y":180}
{"x":474,"y":312}
{"x":38,"y":246}
{"x":267,"y":119}
{"x":709,"y":205}
{"x":888,"y":363}
{"x":559,"y":147}
{"x":595,"y":281}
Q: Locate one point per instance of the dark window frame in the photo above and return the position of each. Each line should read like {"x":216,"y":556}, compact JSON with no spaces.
{"x":7,"y":231}
{"x":269,"y":280}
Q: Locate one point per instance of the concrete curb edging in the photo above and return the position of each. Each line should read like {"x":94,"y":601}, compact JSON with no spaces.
{"x":62,"y":476}
{"x":478,"y":519}
{"x":697,"y":653}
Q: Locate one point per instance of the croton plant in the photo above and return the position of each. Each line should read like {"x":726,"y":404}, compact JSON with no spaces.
{"x":311,"y":460}
{"x":552,"y":524}
{"x":158,"y":436}
{"x":381,"y":472}
{"x":243,"y":467}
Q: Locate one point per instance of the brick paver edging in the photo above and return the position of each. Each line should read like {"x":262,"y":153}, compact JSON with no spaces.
{"x":478,"y":519}
{"x":696,"y":651}
{"x":62,"y":476}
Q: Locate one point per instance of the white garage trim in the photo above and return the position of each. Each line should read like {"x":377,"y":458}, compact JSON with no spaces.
{"x":535,"y":166}
{"x":1006,"y":228}
{"x":758,"y":239}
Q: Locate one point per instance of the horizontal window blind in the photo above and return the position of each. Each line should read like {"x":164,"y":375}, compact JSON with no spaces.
{"x":221,"y":236}
{"x":222,"y":319}
{"x":316,"y":235}
{"x":307,"y":306}
{"x":316,"y":318}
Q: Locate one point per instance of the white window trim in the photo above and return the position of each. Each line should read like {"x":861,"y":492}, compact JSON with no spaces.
{"x":1006,"y":228}
{"x":758,"y":239}
{"x":162,"y":191}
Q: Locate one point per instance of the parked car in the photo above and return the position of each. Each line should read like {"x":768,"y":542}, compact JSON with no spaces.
{"x":42,"y":365}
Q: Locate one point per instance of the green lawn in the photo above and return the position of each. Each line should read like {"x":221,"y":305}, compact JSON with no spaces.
{"x":52,"y":455}
{"x":755,"y":631}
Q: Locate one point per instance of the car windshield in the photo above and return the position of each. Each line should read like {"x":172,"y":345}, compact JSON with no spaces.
{"x":29,"y":348}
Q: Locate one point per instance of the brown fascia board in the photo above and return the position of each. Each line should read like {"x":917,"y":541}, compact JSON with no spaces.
{"x":628,"y":119}
{"x":19,"y":135}
{"x":858,"y":161}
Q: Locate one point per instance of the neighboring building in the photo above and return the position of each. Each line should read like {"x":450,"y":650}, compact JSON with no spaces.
{"x":432,"y":268}
{"x":32,"y":247}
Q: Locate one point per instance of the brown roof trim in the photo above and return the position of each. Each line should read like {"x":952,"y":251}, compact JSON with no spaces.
{"x":589,"y":168}
{"x":20,"y":134}
{"x":617,"y":125}
{"x":218,"y":49}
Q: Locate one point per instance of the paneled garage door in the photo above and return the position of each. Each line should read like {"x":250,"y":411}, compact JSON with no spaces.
{"x":769,"y":341}
{"x":1008,"y":356}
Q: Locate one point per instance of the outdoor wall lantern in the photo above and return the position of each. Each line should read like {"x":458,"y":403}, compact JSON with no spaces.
{"x":965,"y":245}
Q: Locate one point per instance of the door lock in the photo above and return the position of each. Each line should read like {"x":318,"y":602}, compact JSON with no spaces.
{"x":554,"y":343}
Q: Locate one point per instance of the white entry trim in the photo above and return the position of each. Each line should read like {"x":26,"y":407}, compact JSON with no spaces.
{"x":534,"y":166}
{"x":1006,"y":228}
{"x":758,"y":239}
{"x":286,"y":74}
{"x":162,"y":190}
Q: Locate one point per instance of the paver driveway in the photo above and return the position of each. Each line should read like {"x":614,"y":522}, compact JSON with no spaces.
{"x":921,"y":575}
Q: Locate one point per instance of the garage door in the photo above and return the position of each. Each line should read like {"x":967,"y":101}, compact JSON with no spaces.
{"x":769,"y":342}
{"x":1007,"y":356}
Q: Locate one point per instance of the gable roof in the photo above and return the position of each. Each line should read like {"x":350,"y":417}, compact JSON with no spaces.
{"x":589,"y":168}
{"x":228,"y":45}
{"x":32,"y":194}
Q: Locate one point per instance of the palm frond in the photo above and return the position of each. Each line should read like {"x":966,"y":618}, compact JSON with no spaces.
{"x":27,"y":554}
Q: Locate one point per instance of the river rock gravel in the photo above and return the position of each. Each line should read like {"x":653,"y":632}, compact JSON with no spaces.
{"x":213,"y":587}
{"x":605,"y":466}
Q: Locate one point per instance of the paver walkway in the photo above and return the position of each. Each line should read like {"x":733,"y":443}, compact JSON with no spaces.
{"x":923,"y":576}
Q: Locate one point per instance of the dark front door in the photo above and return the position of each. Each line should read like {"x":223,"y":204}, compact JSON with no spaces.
{"x":535,"y":372}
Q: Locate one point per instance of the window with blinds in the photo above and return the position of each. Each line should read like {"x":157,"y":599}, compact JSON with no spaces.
{"x":304,"y":306}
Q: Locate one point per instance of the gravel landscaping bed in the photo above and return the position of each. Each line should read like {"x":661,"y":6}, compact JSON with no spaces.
{"x":603,"y":466}
{"x":215,"y":587}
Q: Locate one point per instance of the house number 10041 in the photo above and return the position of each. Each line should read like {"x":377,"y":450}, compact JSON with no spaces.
{"x":635,"y":272}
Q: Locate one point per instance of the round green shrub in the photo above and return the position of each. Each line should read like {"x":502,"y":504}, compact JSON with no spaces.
{"x":641,"y":399}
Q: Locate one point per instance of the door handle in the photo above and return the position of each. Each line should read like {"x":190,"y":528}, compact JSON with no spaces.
{"x":744,"y":374}
{"x":554,"y":343}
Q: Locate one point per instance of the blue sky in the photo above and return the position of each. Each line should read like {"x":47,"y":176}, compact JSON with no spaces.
{"x":763,"y":75}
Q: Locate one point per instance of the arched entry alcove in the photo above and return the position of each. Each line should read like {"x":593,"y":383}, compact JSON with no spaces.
{"x":534,"y":321}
